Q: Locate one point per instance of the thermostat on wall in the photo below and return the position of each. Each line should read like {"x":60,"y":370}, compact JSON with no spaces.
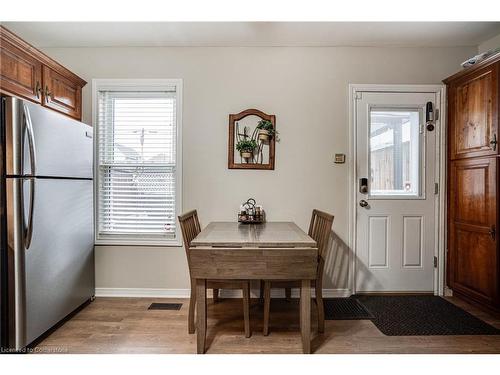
{"x":339,"y":158}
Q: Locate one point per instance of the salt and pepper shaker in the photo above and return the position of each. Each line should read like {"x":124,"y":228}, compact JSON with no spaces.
{"x":251,"y":213}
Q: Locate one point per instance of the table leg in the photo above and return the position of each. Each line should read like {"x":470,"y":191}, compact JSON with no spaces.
{"x":201,"y":314}
{"x":305,"y":315}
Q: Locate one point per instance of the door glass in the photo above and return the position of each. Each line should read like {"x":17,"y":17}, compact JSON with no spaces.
{"x":394,"y":152}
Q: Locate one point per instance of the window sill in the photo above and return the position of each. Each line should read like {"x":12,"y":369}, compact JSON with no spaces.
{"x":142,"y":243}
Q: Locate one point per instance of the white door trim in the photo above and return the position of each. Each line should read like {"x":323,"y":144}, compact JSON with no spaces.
{"x":440,"y":211}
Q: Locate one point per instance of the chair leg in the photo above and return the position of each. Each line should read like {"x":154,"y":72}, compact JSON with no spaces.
{"x":288,"y":294}
{"x":261,"y":293}
{"x":192,"y":307}
{"x":246,"y":309}
{"x":267,"y":306}
{"x":321,"y":311}
{"x":215,"y":295}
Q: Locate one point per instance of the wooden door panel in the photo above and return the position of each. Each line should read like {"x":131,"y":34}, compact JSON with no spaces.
{"x":20,"y":73}
{"x":475,"y":254}
{"x":474,"y":114}
{"x":61,"y":94}
{"x":471,"y":182}
{"x":473,"y":261}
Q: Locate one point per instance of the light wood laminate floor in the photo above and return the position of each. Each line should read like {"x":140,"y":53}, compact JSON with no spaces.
{"x":125,"y":325}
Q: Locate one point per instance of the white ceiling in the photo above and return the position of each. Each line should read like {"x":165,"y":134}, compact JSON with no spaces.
{"x":106,"y":34}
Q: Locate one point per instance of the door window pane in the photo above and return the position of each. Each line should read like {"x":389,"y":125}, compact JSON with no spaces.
{"x":394,"y":152}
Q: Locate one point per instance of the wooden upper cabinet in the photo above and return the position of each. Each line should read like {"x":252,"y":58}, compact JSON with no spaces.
{"x":20,"y":73}
{"x":30,"y":74}
{"x":61,"y":94}
{"x":473,"y":114}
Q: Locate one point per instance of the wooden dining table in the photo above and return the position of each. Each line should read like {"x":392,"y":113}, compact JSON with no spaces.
{"x":267,"y":251}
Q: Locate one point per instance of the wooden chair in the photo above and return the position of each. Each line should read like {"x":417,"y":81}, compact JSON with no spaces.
{"x":319,"y":230}
{"x":190,"y":227}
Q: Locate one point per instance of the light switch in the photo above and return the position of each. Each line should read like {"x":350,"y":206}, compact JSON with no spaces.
{"x":339,"y":158}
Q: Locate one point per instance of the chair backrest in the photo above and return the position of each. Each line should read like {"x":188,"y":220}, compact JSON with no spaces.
{"x":319,"y":229}
{"x":190,"y":227}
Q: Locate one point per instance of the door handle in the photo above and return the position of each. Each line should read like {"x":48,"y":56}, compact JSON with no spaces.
{"x":363,"y":203}
{"x":38,"y":89}
{"x":47,"y":94}
{"x":31,"y":143}
{"x":31,"y":139}
{"x":494,"y":142}
{"x":492,"y":232}
{"x":28,"y":234}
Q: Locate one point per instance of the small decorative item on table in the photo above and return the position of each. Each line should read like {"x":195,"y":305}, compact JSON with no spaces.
{"x":250,"y":213}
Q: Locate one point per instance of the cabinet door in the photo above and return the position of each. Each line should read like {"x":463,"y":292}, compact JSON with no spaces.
{"x":473,"y":252}
{"x":20,"y":74}
{"x":61,"y":94}
{"x":473,"y":114}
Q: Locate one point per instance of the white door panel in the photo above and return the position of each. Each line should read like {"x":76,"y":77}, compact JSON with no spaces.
{"x":395,"y":220}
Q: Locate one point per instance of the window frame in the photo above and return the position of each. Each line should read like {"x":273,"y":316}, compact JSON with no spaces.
{"x":138,"y":85}
{"x":421,"y":195}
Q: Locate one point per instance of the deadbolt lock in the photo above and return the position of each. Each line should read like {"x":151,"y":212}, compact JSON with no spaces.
{"x":363,"y":185}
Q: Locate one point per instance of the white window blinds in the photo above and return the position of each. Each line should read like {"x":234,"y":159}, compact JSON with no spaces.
{"x":136,"y":152}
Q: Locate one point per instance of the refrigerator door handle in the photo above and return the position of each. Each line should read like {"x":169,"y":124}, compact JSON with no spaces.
{"x":31,"y":139}
{"x":28,"y":234}
{"x":31,"y":143}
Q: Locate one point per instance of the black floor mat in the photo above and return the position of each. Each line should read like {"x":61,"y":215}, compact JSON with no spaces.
{"x":422,"y":316}
{"x":344,"y":309}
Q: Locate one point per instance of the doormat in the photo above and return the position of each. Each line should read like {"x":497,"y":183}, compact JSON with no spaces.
{"x":345,"y":309}
{"x":165,"y":306}
{"x":422,"y":316}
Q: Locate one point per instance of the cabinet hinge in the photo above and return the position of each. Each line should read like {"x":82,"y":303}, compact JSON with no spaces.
{"x":436,"y":188}
{"x":435,"y":262}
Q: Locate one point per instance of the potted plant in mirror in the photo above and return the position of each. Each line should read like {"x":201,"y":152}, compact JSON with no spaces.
{"x":246,"y":148}
{"x":266,"y":130}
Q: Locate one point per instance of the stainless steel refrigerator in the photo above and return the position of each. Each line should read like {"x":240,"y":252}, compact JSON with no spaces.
{"x":47,"y":240}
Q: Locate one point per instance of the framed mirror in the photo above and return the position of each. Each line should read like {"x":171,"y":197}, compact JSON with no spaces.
{"x":252,"y":138}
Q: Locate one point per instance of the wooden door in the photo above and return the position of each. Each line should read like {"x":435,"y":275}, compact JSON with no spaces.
{"x":473,"y":115}
{"x":473,"y":259}
{"x":21,"y":74}
{"x":61,"y":94}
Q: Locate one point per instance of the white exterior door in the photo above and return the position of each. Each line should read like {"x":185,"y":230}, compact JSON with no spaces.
{"x":396,"y":175}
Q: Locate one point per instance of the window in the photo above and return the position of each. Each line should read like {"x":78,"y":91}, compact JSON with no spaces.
{"x":394,"y":152}
{"x":138,"y":171}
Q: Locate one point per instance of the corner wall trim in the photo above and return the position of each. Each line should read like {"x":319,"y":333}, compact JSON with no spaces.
{"x":185,"y":293}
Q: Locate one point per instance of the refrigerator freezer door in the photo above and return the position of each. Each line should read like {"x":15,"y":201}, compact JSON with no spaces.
{"x":14,"y":128}
{"x":59,"y":264}
{"x":63,"y":147}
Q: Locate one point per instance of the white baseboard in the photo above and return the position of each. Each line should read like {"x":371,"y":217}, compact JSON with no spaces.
{"x":185,"y":293}
{"x":142,"y":292}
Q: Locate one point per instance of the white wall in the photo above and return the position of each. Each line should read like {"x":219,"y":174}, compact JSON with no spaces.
{"x":489,"y":44}
{"x":306,"y":88}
